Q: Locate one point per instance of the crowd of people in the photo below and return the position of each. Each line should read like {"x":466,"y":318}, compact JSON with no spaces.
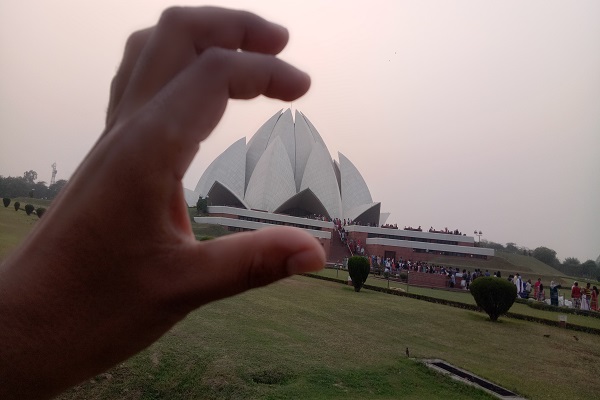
{"x":390,"y":226}
{"x":446,"y":231}
{"x":456,"y":277}
{"x":584,"y":298}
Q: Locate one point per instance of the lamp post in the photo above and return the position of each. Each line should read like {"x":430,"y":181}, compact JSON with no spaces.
{"x":478,"y":234}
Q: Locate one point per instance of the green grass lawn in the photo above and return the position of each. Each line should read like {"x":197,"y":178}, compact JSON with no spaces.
{"x":307,"y":338}
{"x":465,"y":297}
{"x":14,"y":225}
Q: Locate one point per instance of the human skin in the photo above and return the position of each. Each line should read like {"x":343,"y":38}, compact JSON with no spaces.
{"x":100,"y":277}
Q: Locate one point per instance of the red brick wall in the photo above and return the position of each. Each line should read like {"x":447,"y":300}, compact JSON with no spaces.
{"x":401,"y":252}
{"x":428,"y":280}
{"x":326,"y":243}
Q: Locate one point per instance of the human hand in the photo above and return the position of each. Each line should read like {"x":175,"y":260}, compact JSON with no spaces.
{"x":114,"y":264}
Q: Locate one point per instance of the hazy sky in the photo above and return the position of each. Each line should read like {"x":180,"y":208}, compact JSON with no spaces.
{"x":461,"y":114}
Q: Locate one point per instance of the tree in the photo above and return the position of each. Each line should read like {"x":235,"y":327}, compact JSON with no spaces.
{"x":512,"y":248}
{"x":21,"y":187}
{"x":40,"y":190}
{"x":40,"y":211}
{"x":491,"y":245}
{"x":29,"y":209}
{"x":494,"y":295}
{"x":17,"y":205}
{"x":30,"y":176}
{"x":570,"y":263}
{"x":589,"y":269}
{"x":6,"y":201}
{"x":546,"y":255}
{"x":358,"y":268}
{"x":598,"y":261}
{"x":202,"y":205}
{"x":55,"y":188}
{"x":14,"y":186}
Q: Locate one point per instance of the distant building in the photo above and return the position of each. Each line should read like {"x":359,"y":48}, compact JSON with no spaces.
{"x":285,"y":176}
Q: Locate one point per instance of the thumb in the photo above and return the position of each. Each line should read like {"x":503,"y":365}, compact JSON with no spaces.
{"x":232,"y":264}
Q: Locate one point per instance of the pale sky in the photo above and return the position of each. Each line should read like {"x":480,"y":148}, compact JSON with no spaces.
{"x":461,"y":114}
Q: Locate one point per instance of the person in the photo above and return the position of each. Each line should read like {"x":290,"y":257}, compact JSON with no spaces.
{"x":554,"y":293}
{"x":95,"y":283}
{"x":518,"y":282}
{"x":536,"y":288}
{"x":594,"y":299}
{"x":586,"y":293}
{"x":541,"y":293}
{"x":576,"y":295}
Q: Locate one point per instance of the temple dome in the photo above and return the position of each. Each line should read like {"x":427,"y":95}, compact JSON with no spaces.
{"x":286,"y":168}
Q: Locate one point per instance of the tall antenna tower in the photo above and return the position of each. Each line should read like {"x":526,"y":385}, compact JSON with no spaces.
{"x":53,"y":180}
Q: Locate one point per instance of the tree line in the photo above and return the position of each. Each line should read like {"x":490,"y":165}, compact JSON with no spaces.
{"x":26,"y":186}
{"x":570,"y":266}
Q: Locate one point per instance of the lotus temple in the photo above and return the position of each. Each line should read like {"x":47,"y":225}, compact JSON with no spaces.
{"x":284,"y":175}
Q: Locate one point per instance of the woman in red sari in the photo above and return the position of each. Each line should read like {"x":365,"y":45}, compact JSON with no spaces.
{"x":594,"y":301}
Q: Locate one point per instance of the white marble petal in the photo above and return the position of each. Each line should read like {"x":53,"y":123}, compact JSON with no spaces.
{"x":191,"y":197}
{"x":319,"y":177}
{"x":383,"y":217}
{"x":229,"y":168}
{"x":314,"y":132}
{"x":304,"y":146}
{"x":258,"y":144}
{"x":284,"y":130}
{"x":272,"y":182}
{"x":354,"y":188}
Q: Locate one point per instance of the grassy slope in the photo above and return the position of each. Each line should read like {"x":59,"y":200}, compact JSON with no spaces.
{"x":509,"y":264}
{"x":318,"y":339}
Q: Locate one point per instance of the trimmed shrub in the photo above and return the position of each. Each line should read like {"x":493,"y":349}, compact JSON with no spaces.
{"x":6,"y":201}
{"x":17,"y":205}
{"x":494,"y":295}
{"x":358,"y":268}
{"x":202,"y":205}
{"x":206,"y":237}
{"x":29,"y":209}
{"x":40,"y":211}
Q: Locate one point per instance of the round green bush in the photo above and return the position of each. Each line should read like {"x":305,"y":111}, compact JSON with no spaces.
{"x":494,"y":295}
{"x":40,"y":211}
{"x":17,"y":205}
{"x":358,"y":268}
{"x":29,"y":209}
{"x":6,"y":201}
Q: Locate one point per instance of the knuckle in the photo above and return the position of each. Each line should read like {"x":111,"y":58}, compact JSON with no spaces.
{"x":172,"y":17}
{"x":136,"y":41}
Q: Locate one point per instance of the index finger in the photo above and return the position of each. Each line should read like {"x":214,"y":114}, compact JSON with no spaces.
{"x":183,"y":33}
